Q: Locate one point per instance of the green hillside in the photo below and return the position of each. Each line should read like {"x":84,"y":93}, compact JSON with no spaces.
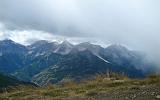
{"x":9,"y":81}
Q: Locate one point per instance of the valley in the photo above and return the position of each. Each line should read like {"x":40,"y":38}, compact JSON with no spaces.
{"x":46,"y":62}
{"x":63,"y":71}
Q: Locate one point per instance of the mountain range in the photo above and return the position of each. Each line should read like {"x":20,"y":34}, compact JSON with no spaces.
{"x":46,"y":62}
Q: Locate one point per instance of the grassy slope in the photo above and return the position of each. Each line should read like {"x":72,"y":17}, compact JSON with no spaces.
{"x":6,"y":81}
{"x":10,"y":83}
{"x":100,"y":88}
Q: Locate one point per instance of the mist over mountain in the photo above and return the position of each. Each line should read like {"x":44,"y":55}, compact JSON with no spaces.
{"x":132,"y":23}
{"x":45,"y":62}
{"x":79,"y":49}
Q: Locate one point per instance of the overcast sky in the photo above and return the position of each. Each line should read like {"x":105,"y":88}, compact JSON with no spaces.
{"x":135,"y":23}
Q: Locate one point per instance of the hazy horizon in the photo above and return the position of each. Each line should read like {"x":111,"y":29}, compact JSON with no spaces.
{"x":134,"y":23}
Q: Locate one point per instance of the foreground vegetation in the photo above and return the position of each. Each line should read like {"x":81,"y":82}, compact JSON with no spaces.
{"x":90,"y":89}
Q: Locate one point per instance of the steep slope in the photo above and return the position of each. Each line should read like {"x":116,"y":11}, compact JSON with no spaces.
{"x":42,"y":47}
{"x":49,"y":62}
{"x":36,"y":65}
{"x":81,"y":65}
{"x":9,"y":46}
{"x":64,"y":48}
{"x":11,"y":56}
{"x":9,"y":81}
{"x":95,"y":49}
{"x":122,"y":56}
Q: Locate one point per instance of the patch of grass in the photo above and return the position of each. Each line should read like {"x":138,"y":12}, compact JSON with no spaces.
{"x":91,"y":93}
{"x":18,"y":94}
{"x":87,"y":88}
{"x":153,"y":79}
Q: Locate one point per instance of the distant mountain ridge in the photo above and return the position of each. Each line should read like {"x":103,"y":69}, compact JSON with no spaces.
{"x":11,"y":55}
{"x":46,"y":62}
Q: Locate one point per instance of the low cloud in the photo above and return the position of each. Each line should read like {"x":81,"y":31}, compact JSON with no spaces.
{"x":134,"y":23}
